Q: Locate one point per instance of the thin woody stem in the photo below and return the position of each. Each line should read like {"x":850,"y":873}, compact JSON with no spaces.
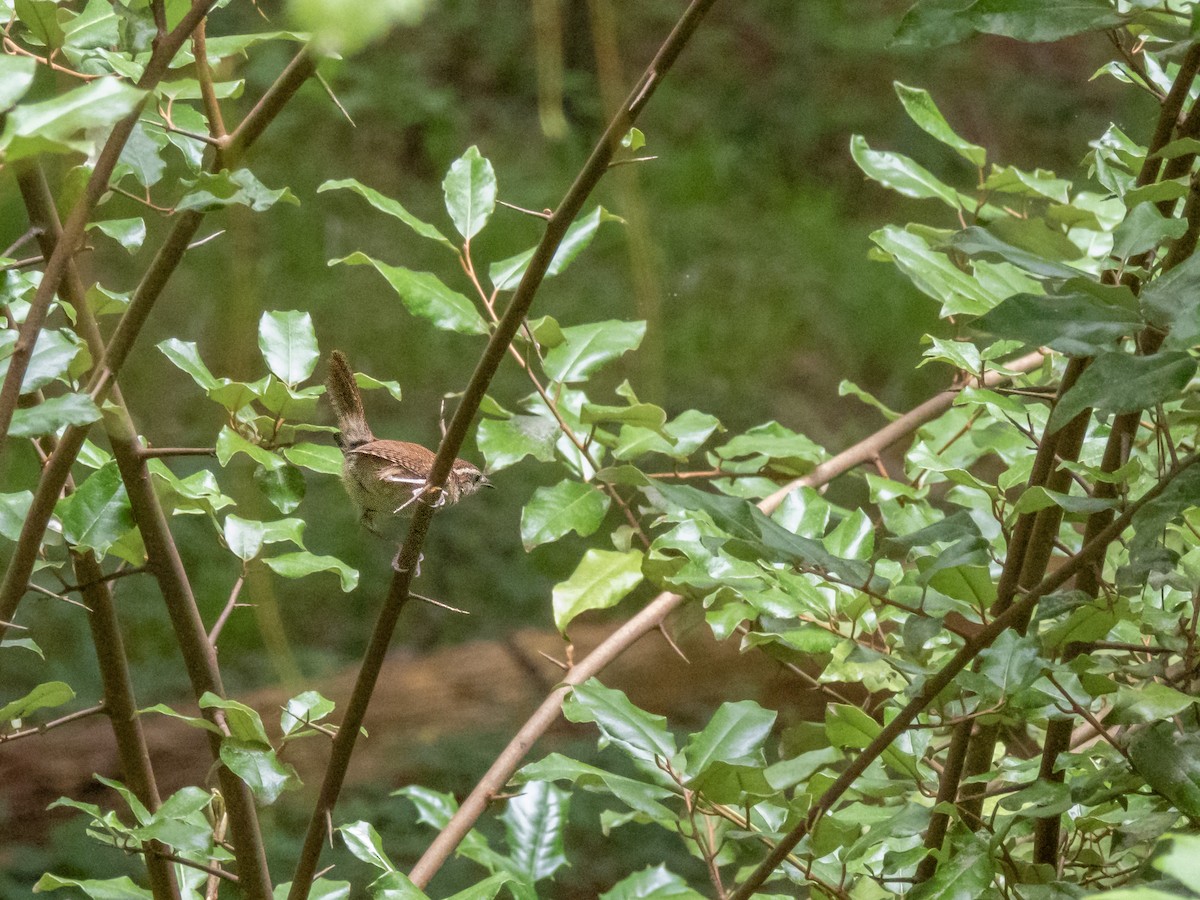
{"x":556,"y":228}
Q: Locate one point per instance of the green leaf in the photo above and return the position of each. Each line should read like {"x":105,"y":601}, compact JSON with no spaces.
{"x":301,"y":710}
{"x":185,"y":356}
{"x":244,"y":723}
{"x":685,"y":434}
{"x":321,"y":458}
{"x":602,"y":579}
{"x":258,"y":766}
{"x":284,"y":486}
{"x":933,"y":23}
{"x":230,"y":443}
{"x":1076,"y":323}
{"x":642,"y":415}
{"x":70,"y":123}
{"x":53,"y":354}
{"x":1172,"y":302}
{"x":98,"y":889}
{"x":390,"y":207}
{"x":51,"y":415}
{"x":587,"y":347}
{"x":933,"y":273}
{"x":193,"y":721}
{"x":641,"y":796}
{"x":289,"y":345}
{"x":302,"y":563}
{"x":487,"y":889}
{"x":1123,"y":383}
{"x":424,"y":295}
{"x":364,"y":842}
{"x":901,"y":174}
{"x":641,"y":734}
{"x":978,"y":243}
{"x":534,"y":822}
{"x":44,"y":696}
{"x":41,"y":18}
{"x":1181,"y":860}
{"x":652,"y":883}
{"x":1144,"y":229}
{"x":965,"y":871}
{"x":207,"y":192}
{"x":556,"y":511}
{"x":1170,"y":763}
{"x":129,"y":233}
{"x":97,"y":515}
{"x":16,"y":77}
{"x":470,"y":189}
{"x":505,"y":442}
{"x":850,"y":727}
{"x":735,"y":734}
{"x":924,"y":112}
{"x":199,"y":492}
{"x":1147,"y":702}
{"x":507,"y":274}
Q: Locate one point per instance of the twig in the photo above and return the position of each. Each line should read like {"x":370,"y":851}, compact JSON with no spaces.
{"x":502,"y":337}
{"x":227,"y":611}
{"x":54,"y":723}
{"x":474,"y":805}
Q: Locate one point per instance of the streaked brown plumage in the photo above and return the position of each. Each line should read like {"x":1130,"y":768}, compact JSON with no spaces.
{"x":384,"y":478}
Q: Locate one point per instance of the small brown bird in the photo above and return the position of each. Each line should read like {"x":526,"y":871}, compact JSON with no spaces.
{"x":384,"y":478}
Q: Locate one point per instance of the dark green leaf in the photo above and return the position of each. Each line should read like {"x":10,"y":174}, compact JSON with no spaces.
{"x":283,"y":485}
{"x":264,"y":773}
{"x":1076,"y":323}
{"x":424,"y":295}
{"x":1172,"y":302}
{"x":1144,"y":229}
{"x":932,"y":23}
{"x":967,"y":871}
{"x":1123,"y":383}
{"x":506,"y":274}
{"x":641,"y":796}
{"x":364,"y":842}
{"x":1170,"y":763}
{"x":977,"y":243}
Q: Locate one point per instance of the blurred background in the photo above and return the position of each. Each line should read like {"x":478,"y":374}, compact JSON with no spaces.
{"x":745,"y":250}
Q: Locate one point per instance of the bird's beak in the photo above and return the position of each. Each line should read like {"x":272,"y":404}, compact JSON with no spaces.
{"x":484,"y":482}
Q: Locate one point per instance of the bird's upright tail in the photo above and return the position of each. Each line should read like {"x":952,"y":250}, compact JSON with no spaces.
{"x":347,"y":403}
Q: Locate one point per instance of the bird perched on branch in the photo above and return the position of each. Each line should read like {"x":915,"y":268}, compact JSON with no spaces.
{"x":384,"y":478}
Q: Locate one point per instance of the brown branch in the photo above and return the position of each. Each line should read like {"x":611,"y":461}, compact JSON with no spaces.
{"x":556,"y":228}
{"x":653,"y":615}
{"x":121,"y":705}
{"x":57,"y":469}
{"x":945,"y":676}
{"x":54,"y":723}
{"x":72,"y":231}
{"x":212,"y":109}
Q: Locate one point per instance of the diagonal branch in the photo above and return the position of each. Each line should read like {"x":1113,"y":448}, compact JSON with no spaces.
{"x":655,"y":614}
{"x":556,"y":228}
{"x":1089,"y":554}
{"x":56,"y":265}
{"x":169,"y":255}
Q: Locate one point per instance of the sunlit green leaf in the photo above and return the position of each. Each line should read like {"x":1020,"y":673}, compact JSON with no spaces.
{"x":602,"y":579}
